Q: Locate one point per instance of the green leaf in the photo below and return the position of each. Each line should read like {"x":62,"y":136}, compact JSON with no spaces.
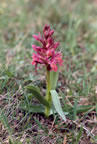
{"x":31,"y":88}
{"x":53,"y":79}
{"x":83,"y":108}
{"x":31,"y":108}
{"x":39,"y":124}
{"x":15,"y":142}
{"x":11,"y":141}
{"x":36,"y":93}
{"x":3,"y":119}
{"x":57,"y":105}
{"x":95,"y":139}
{"x":9,"y":73}
{"x":75,"y":109}
{"x":79,"y":135}
{"x":18,"y":143}
{"x":79,"y":109}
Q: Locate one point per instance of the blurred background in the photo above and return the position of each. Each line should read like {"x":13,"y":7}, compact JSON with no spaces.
{"x":74,"y":21}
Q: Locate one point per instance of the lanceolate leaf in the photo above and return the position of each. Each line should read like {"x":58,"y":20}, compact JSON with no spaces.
{"x":53,"y":79}
{"x":57,"y":105}
{"x":32,"y":108}
{"x":31,"y":88}
{"x":37,"y":95}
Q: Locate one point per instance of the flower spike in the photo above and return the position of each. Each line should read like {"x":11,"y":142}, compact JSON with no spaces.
{"x":46,"y":54}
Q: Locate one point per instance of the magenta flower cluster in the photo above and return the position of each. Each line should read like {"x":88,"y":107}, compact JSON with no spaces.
{"x":46,"y":54}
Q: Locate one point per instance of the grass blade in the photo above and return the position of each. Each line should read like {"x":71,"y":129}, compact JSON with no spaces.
{"x":79,"y":135}
{"x":3,"y":119}
{"x":75,"y":109}
{"x":83,"y":108}
{"x":39,"y":124}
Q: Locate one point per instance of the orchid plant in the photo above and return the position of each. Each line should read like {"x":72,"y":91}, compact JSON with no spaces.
{"x":47,"y":56}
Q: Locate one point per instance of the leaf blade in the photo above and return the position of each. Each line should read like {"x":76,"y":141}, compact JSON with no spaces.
{"x":31,"y":108}
{"x":37,"y":95}
{"x":57,"y":104}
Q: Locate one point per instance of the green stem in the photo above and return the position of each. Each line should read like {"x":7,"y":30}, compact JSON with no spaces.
{"x":48,"y":95}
